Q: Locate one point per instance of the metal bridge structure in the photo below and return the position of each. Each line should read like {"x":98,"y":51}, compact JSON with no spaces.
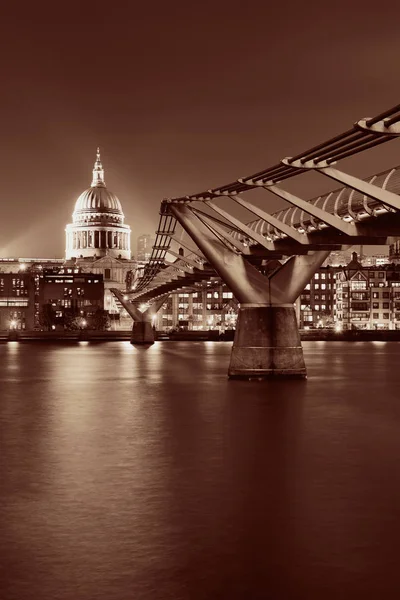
{"x":301,"y":236}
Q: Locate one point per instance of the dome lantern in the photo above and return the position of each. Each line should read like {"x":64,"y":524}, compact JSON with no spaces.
{"x":98,"y":172}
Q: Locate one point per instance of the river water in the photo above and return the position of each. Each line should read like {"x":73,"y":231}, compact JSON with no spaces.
{"x":144,"y":473}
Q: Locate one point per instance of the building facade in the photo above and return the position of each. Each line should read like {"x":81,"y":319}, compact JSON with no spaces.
{"x":368,"y":297}
{"x":17,"y":301}
{"x":210,"y":306}
{"x":71,"y":299}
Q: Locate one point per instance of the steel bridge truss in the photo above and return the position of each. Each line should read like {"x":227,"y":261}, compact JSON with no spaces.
{"x":267,"y":341}
{"x":340,"y":218}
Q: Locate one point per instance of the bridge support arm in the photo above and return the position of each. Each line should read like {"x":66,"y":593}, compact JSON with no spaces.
{"x":267,"y":340}
{"x":130,"y":308}
{"x":142,"y":328}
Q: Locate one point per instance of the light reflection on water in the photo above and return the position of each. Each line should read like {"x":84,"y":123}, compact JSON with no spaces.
{"x":132,"y":472}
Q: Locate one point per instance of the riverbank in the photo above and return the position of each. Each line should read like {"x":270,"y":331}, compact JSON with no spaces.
{"x":312,"y":335}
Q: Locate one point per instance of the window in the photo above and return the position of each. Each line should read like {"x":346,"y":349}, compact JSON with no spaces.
{"x":323,"y":275}
{"x":107,"y":273}
{"x":381,"y":275}
{"x":227,"y":295}
{"x":358,"y":285}
{"x":385,"y":295}
{"x":375,"y":305}
{"x":316,"y":286}
{"x":375,"y":315}
{"x":316,"y":276}
{"x":323,"y":286}
{"x":386,"y":316}
{"x":375,"y":294}
{"x":385,"y":305}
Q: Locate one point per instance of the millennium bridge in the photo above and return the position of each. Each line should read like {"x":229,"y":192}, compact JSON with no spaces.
{"x":267,"y":340}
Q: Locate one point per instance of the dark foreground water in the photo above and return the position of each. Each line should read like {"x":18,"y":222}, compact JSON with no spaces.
{"x":145,"y":474}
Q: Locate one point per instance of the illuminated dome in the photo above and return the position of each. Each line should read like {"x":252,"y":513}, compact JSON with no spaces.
{"x":98,"y":199}
{"x":97,"y":227}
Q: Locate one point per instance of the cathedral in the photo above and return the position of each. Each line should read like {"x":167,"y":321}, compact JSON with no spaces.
{"x":98,"y":240}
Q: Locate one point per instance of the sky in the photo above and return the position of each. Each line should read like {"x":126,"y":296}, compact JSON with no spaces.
{"x":181,"y":97}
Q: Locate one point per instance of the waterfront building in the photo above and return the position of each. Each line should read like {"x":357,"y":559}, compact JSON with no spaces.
{"x":70,"y":295}
{"x":17,"y":300}
{"x":316,"y":302}
{"x":98,"y":240}
{"x":208,"y":306}
{"x":368,"y":297}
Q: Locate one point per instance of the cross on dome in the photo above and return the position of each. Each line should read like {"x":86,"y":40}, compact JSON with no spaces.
{"x":98,"y":172}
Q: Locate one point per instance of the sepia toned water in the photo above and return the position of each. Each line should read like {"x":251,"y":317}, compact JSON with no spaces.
{"x":144,"y":473}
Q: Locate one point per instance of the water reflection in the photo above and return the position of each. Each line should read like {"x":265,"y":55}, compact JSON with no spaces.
{"x":148,"y":474}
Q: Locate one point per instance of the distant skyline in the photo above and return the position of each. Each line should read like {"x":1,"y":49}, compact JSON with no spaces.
{"x":180,"y":98}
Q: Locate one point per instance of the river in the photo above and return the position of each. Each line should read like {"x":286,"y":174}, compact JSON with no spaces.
{"x":145,"y":474}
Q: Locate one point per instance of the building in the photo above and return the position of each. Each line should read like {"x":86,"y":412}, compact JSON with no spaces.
{"x":70,"y":298}
{"x":368,"y":297}
{"x":210,"y":306}
{"x":316,"y":302}
{"x":98,"y":240}
{"x":17,"y":300}
{"x":144,"y":247}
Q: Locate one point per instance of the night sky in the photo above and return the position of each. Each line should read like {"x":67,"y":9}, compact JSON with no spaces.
{"x":180,"y":97}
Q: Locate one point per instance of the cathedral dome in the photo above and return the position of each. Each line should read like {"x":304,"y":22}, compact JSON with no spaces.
{"x":97,"y":227}
{"x":98,"y":199}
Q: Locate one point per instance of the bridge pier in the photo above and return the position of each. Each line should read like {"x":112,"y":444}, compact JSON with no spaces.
{"x":267,"y":340}
{"x":142,"y":328}
{"x":142,"y":333}
{"x":267,"y":344}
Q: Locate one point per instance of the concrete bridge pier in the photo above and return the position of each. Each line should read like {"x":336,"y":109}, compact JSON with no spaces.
{"x":267,"y":340}
{"x":267,"y":343}
{"x":142,"y":328}
{"x":142,"y":333}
